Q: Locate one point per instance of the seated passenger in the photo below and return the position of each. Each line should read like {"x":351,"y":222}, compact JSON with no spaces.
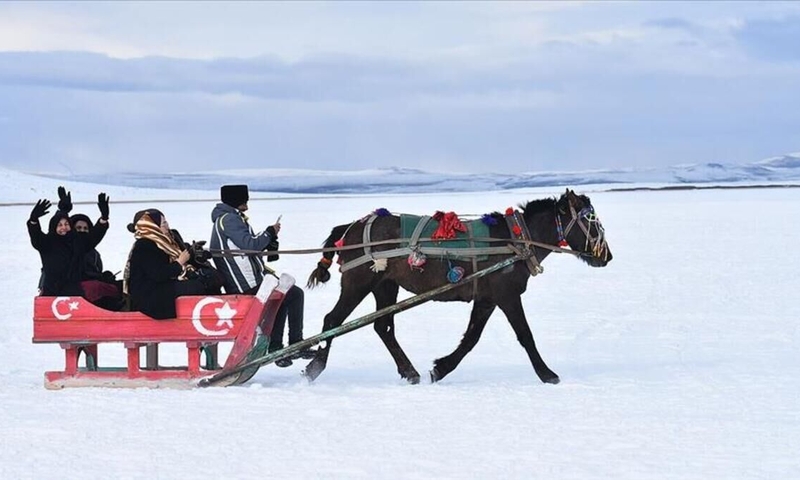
{"x":99,"y":287}
{"x":61,"y":250}
{"x":158,"y":270}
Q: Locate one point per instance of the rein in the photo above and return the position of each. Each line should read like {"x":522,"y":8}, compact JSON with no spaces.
{"x":355,"y":246}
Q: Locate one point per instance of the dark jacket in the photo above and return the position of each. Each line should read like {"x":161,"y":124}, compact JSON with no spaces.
{"x":62,"y":256}
{"x":152,"y":282}
{"x":92,"y":265}
{"x":92,"y":262}
{"x":232,"y":232}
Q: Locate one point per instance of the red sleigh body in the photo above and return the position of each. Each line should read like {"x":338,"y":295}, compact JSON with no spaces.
{"x":79,"y":326}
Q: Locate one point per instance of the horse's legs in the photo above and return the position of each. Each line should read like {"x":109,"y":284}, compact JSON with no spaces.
{"x":386,"y":295}
{"x":348,"y":301}
{"x":516,"y":317}
{"x":481,"y":311}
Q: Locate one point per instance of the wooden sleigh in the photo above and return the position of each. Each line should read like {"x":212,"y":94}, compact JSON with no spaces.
{"x":202,"y":322}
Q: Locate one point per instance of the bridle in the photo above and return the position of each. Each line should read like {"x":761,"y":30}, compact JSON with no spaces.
{"x":585,"y":219}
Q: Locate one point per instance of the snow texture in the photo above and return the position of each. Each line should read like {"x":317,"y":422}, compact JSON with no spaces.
{"x":680,"y":360}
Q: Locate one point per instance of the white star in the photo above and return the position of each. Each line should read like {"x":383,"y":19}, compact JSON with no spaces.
{"x":73,"y":306}
{"x":225,"y":314}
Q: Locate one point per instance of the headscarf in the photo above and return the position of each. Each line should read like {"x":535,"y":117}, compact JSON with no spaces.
{"x":80,"y":217}
{"x":57,"y":217}
{"x":155,"y":216}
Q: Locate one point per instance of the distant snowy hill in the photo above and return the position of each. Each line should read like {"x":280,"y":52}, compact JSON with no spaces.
{"x":784,"y":168}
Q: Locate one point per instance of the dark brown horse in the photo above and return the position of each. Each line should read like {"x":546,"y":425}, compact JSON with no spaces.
{"x":570,"y":218}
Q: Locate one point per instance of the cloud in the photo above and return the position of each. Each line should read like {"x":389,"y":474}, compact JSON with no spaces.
{"x":466,"y":87}
{"x":772,"y":39}
{"x":27,"y":30}
{"x":321,"y":79}
{"x":683,"y":31}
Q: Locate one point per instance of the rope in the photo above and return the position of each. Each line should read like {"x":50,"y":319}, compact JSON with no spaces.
{"x":236,"y":253}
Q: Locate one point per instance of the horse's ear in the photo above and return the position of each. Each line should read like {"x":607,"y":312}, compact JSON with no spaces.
{"x":572,"y":198}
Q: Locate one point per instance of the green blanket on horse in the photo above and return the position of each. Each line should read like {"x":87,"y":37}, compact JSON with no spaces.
{"x":475,"y":229}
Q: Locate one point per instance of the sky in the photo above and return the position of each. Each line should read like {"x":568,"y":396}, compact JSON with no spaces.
{"x":94,"y":87}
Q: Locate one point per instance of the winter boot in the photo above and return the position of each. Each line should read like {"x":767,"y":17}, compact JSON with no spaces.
{"x":284,"y":362}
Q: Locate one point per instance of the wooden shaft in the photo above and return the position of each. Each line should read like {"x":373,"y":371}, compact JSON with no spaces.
{"x":359,"y":322}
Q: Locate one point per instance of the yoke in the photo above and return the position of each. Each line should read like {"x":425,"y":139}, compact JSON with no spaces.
{"x":79,"y":326}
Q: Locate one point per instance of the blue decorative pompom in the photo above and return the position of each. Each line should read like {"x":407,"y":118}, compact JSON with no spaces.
{"x":455,"y":274}
{"x":488,"y":219}
{"x":382,"y":212}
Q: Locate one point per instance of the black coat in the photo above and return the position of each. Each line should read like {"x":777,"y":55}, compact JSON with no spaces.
{"x":152,"y":281}
{"x":92,"y":265}
{"x":63,"y":256}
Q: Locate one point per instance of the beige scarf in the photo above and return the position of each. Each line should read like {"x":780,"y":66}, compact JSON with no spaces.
{"x":148,"y":229}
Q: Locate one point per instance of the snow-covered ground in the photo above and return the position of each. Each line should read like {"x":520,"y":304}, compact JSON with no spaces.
{"x":681,"y":359}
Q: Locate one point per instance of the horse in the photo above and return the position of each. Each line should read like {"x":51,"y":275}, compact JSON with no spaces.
{"x":540,"y":226}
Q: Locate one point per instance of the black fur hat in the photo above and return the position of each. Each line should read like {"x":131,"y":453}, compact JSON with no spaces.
{"x":234,"y":195}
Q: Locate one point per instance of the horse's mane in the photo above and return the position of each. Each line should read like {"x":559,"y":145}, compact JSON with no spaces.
{"x":531,"y":208}
{"x":538,"y":206}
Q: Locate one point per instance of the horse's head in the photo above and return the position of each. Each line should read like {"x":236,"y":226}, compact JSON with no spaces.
{"x":578,"y":225}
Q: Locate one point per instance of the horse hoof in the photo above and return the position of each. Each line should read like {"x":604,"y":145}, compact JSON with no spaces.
{"x":434,"y":376}
{"x":413,"y":380}
{"x":553,"y":380}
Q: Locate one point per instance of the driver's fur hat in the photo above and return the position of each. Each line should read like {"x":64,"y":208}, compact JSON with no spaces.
{"x":234,"y":195}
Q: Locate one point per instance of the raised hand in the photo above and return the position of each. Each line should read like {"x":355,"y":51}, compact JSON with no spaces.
{"x":39,"y":210}
{"x":102,"y":204}
{"x":64,"y":200}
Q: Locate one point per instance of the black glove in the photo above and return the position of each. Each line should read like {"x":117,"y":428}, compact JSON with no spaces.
{"x":198,"y":254}
{"x":64,"y":200}
{"x":102,"y":204}
{"x":272,"y":232}
{"x":108,"y":277}
{"x":273,"y":246}
{"x":39,"y":210}
{"x":203,"y":256}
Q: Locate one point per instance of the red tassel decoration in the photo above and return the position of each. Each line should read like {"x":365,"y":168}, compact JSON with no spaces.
{"x":517,"y":231}
{"x":509,"y":211}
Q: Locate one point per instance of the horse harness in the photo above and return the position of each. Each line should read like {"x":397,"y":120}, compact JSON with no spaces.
{"x":414,"y":248}
{"x":598,"y":243}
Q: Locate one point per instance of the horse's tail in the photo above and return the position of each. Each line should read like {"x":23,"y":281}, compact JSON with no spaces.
{"x":321,"y":273}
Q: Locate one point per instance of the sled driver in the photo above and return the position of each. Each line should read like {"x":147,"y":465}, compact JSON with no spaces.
{"x":243,"y":274}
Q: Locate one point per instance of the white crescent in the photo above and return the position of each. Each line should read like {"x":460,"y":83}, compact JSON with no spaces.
{"x":54,"y":309}
{"x":196,"y":313}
